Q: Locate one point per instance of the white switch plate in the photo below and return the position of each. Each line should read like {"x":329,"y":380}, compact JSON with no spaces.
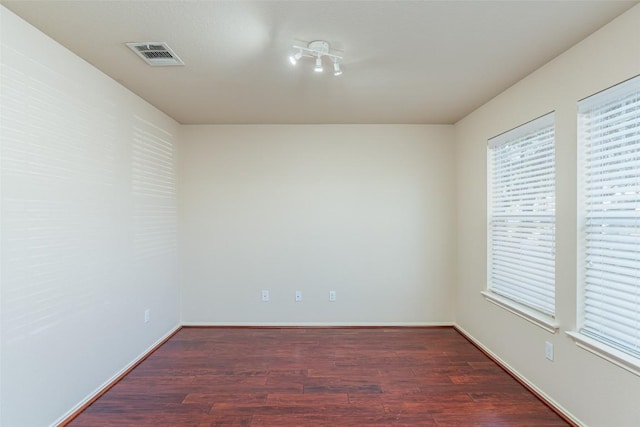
{"x":265,"y":295}
{"x":147,"y":315}
{"x":548,"y":350}
{"x":298,"y":296}
{"x":332,"y":296}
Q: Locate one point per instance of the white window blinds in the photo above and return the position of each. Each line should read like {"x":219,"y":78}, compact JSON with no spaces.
{"x":521,"y":187}
{"x":609,"y":135}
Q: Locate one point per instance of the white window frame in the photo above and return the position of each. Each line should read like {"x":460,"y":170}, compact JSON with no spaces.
{"x":609,"y":225}
{"x":521,"y":273}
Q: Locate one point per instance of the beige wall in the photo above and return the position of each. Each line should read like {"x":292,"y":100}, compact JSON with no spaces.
{"x":366,"y":211}
{"x":593,"y":390}
{"x":88,"y":243}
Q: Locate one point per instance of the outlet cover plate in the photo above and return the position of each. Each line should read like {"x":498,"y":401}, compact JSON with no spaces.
{"x":298,"y":296}
{"x":548,"y":350}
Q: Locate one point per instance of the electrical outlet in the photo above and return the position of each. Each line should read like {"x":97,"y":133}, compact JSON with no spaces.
{"x":265,"y":295}
{"x":548,"y":350}
{"x":332,"y":296}
{"x":298,"y":296}
{"x":147,"y":315}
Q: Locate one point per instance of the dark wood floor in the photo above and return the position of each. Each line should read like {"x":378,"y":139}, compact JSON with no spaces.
{"x":318,"y":377}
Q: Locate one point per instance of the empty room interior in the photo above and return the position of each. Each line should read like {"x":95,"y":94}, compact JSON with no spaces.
{"x":338,"y":212}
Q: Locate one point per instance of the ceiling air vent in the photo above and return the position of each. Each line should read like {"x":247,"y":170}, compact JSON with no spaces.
{"x":155,"y":53}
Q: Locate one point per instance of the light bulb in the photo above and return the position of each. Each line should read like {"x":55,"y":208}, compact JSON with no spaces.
{"x":318,"y":68}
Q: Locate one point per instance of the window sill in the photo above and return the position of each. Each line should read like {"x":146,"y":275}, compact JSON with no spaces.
{"x":617,"y":357}
{"x":545,"y":322}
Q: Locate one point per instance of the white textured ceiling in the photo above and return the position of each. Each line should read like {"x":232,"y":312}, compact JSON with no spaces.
{"x":405,"y":61}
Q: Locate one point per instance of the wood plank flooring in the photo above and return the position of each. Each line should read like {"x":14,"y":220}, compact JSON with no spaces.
{"x":318,"y":377}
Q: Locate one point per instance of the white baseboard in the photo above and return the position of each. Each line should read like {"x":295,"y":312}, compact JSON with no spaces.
{"x":520,"y":377}
{"x":317,"y":324}
{"x":117,"y":375}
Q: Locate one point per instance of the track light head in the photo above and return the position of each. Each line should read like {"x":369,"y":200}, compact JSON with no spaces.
{"x":336,"y":68}
{"x":295,"y":58}
{"x":318,"y":68}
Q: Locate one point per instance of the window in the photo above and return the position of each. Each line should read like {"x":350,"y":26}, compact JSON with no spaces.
{"x":609,"y":209}
{"x":521,"y":214}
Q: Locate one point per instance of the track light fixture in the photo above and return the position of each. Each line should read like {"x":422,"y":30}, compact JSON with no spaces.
{"x":317,"y":49}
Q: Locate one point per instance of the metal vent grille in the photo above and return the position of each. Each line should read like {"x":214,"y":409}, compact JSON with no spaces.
{"x":155,"y":53}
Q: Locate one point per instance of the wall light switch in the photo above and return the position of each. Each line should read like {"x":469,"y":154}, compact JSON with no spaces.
{"x":147,"y":315}
{"x":265,"y":295}
{"x":298,"y":296}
